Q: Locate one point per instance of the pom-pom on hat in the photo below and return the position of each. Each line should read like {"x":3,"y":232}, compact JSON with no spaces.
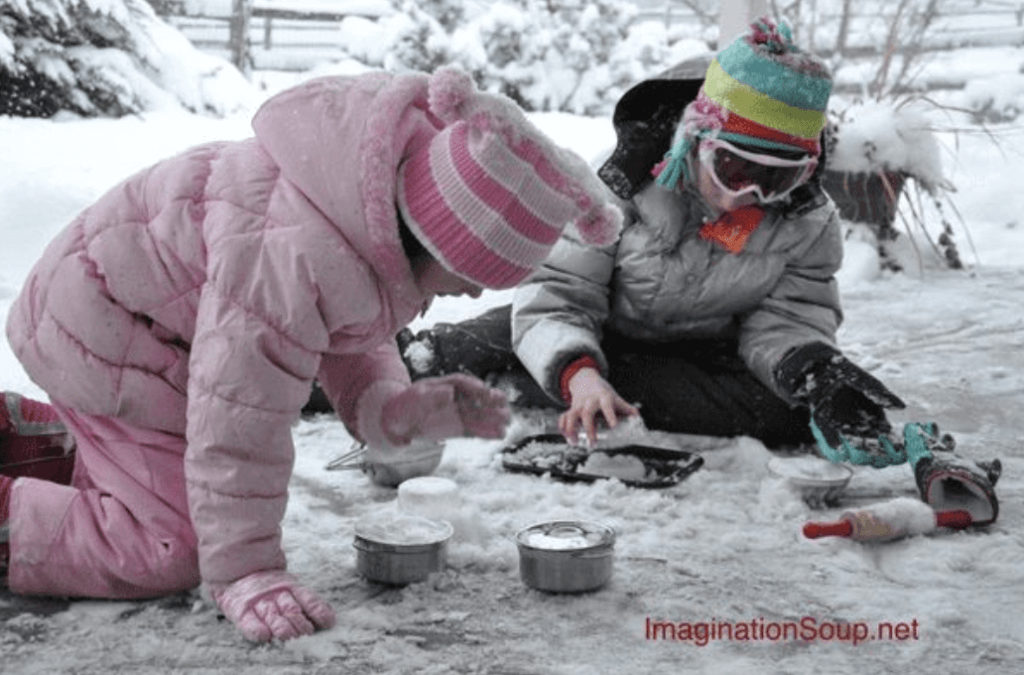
{"x":490,"y":194}
{"x":762,"y":90}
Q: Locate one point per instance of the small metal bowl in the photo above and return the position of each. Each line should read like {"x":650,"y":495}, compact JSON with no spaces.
{"x":819,"y":481}
{"x":393,"y":473}
{"x":401,"y":550}
{"x":391,"y":469}
{"x":566,"y":556}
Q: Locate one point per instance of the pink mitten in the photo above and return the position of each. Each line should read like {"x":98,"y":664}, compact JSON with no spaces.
{"x":445,"y":407}
{"x":273,"y":605}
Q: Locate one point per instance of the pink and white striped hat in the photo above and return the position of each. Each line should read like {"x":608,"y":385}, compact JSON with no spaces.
{"x":490,"y":194}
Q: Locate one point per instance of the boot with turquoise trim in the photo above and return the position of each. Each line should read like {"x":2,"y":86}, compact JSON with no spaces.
{"x":947,"y":481}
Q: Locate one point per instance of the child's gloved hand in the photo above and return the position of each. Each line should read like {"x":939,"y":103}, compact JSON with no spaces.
{"x":273,"y":605}
{"x":848,"y":403}
{"x":445,"y":407}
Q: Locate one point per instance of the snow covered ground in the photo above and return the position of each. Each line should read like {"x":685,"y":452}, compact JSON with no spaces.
{"x":722,"y":551}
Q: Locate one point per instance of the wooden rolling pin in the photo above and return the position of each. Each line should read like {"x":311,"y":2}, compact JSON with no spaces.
{"x":902,"y":517}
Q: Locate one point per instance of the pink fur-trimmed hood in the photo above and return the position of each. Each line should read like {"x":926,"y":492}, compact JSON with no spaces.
{"x":340,"y":141}
{"x":322,"y":132}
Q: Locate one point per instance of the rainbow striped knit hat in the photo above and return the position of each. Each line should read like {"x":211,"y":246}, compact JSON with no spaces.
{"x":762,"y":91}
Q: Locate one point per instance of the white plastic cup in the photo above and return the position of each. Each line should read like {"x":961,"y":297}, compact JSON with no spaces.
{"x":430,"y":497}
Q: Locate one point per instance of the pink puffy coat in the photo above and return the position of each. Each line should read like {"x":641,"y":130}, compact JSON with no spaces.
{"x":202,"y":296}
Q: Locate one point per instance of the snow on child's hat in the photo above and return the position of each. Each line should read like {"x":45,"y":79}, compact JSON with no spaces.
{"x":490,"y":194}
{"x":761,"y":90}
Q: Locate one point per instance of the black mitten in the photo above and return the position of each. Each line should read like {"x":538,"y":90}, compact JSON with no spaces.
{"x":481,"y":346}
{"x":846,"y":401}
{"x":420,"y":353}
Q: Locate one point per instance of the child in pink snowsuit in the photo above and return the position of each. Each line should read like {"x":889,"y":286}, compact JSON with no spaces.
{"x":178,"y":323}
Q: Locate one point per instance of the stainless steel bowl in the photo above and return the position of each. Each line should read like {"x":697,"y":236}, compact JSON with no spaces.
{"x":566,"y":556}
{"x":401,"y":550}
{"x":393,"y":473}
{"x":819,"y":481}
{"x":391,"y":468}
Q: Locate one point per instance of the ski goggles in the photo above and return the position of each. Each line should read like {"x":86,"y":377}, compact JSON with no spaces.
{"x":739,"y":172}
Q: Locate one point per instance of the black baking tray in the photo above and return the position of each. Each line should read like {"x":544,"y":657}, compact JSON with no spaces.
{"x":665,"y":466}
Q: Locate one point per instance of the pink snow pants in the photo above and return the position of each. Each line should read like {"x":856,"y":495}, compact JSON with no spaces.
{"x":121,"y":530}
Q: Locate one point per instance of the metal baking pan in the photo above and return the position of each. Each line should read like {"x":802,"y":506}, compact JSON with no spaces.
{"x":640,"y":466}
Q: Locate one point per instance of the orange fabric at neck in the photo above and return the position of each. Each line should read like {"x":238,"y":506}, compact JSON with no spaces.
{"x":732,"y":230}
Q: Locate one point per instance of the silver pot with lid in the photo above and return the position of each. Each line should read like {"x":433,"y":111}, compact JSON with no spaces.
{"x":566,"y":556}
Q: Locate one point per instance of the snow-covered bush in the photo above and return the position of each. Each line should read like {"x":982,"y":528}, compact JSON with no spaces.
{"x":882,"y":152}
{"x":448,"y":13}
{"x":167,"y":7}
{"x":573,"y":56}
{"x":650,"y":48}
{"x":995,"y":100}
{"x":365,"y":40}
{"x":416,"y":40}
{"x":874,"y":136}
{"x":105,"y":57}
{"x":553,"y":56}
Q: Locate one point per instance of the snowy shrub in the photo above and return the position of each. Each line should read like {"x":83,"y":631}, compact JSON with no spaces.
{"x":449,"y":13}
{"x":650,"y":48}
{"x":365,"y":40}
{"x":573,"y":56}
{"x":885,"y":151}
{"x":105,"y":57}
{"x":552,"y":56}
{"x":497,"y":49}
{"x":168,"y":7}
{"x":996,"y":99}
{"x":416,"y":40}
{"x":873,"y":136}
{"x":415,"y":37}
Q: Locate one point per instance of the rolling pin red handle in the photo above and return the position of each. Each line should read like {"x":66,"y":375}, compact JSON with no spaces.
{"x":957,"y":520}
{"x":844,"y":528}
{"x":840,"y":528}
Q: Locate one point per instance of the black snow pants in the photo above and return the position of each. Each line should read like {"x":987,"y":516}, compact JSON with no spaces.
{"x":692,"y":386}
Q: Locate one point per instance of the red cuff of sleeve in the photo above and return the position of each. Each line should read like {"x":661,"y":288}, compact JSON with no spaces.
{"x":575,"y":366}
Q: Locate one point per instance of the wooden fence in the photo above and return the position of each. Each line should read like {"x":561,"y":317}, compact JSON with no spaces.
{"x":273,"y":43}
{"x":292,"y":35}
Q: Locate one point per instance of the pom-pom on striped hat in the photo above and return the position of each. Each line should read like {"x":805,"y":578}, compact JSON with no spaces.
{"x":490,"y":194}
{"x":762,"y":90}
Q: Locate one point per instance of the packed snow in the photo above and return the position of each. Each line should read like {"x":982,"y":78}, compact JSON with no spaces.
{"x":712,"y":575}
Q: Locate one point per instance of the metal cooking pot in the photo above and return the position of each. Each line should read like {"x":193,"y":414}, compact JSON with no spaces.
{"x":566,"y":556}
{"x":389,"y":560}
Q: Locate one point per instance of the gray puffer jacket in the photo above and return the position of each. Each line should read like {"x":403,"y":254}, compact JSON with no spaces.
{"x":663,"y":282}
